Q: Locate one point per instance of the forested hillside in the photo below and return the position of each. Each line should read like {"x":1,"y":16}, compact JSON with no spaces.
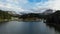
{"x":4,"y":15}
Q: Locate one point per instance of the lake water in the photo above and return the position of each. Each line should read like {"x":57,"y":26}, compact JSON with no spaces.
{"x":30,"y":27}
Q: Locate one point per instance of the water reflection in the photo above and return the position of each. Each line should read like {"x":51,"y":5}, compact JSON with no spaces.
{"x":30,"y":27}
{"x":56,"y":27}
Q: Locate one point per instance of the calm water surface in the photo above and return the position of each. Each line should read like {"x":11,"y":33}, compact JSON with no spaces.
{"x":20,"y":27}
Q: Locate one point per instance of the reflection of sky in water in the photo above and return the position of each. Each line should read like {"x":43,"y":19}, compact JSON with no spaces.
{"x":15,"y":27}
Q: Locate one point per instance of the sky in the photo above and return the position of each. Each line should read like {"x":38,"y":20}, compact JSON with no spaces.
{"x":26,"y":5}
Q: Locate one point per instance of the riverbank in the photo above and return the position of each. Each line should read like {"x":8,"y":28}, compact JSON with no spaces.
{"x":4,"y":20}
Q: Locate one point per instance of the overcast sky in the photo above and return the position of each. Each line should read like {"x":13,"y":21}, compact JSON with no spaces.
{"x":22,"y":5}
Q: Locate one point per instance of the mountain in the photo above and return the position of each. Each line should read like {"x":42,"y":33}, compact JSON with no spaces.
{"x":4,"y":15}
{"x":13,"y":13}
{"x":32,"y":11}
{"x":48,"y":11}
{"x":41,"y":11}
{"x":54,"y":18}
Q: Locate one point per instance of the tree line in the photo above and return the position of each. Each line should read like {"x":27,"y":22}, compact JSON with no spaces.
{"x":4,"y":15}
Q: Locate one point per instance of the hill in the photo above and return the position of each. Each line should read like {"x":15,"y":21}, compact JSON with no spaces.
{"x":54,"y":18}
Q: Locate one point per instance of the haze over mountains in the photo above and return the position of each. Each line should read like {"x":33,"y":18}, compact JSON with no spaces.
{"x":44,"y":11}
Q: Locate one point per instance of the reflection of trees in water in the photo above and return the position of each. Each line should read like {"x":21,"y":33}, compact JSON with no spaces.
{"x":56,"y":27}
{"x":53,"y":20}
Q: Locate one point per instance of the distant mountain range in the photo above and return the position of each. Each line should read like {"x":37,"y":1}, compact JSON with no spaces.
{"x":48,"y":11}
{"x":42,"y":11}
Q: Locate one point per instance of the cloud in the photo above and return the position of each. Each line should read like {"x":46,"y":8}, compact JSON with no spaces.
{"x":11,"y":5}
{"x":25,"y":5}
{"x":56,"y":5}
{"x":53,"y":4}
{"x":48,"y":4}
{"x":8,"y":7}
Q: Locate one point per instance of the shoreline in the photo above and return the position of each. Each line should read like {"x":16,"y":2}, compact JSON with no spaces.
{"x":4,"y":20}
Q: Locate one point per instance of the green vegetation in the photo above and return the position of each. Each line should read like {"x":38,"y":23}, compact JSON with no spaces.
{"x":4,"y":16}
{"x":32,"y":16}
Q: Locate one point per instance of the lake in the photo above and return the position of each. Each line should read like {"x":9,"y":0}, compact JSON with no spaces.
{"x":30,"y":27}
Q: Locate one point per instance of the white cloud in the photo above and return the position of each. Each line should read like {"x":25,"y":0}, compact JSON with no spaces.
{"x":10,"y":7}
{"x":53,"y":4}
{"x":17,"y":5}
{"x":48,"y":4}
{"x":56,"y":5}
